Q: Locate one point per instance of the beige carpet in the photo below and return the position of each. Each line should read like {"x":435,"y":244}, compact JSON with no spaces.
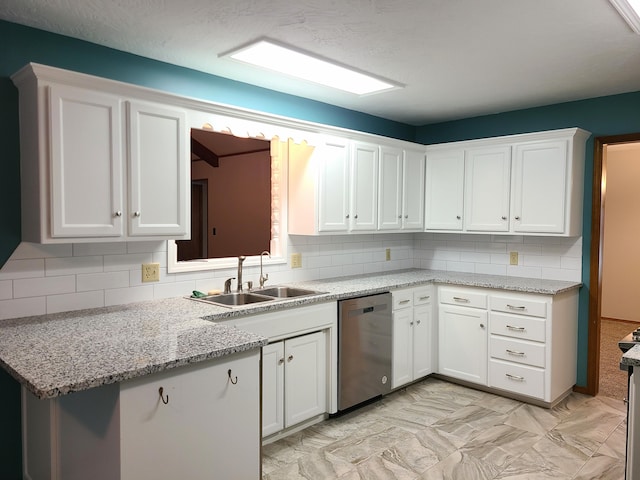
{"x":613,"y":381}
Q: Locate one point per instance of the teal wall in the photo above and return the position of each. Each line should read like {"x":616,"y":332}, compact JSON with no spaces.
{"x":612,"y":115}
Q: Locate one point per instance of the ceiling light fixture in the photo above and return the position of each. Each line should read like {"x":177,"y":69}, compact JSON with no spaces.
{"x":630,"y":11}
{"x":270,"y":55}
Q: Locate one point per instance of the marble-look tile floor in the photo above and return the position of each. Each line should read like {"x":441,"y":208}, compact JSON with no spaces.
{"x":438,"y":430}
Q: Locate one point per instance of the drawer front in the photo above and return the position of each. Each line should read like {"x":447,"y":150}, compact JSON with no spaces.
{"x":463,"y":298}
{"x":516,"y":378}
{"x":535,"y":308}
{"x":517,"y":326}
{"x":402,"y":299}
{"x":422,"y":296}
{"x":520,"y":351}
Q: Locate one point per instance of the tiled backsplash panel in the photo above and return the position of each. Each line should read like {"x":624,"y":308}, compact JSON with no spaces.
{"x":41,"y":279}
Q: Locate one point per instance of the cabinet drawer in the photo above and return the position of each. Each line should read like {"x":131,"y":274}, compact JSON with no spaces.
{"x":516,"y":378}
{"x":463,"y":298}
{"x":517,"y":326}
{"x":402,"y":299}
{"x":422,"y":296}
{"x":520,"y":351}
{"x":535,"y":308}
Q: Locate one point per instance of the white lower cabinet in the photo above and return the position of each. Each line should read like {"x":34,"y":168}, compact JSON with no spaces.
{"x":413,"y":339}
{"x":205,"y":424}
{"x":462,"y":334}
{"x":294,"y":381}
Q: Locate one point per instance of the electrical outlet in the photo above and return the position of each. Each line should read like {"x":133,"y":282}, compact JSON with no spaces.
{"x":150,"y":272}
{"x":296,"y":260}
{"x":388,"y":254}
{"x":513,"y":258}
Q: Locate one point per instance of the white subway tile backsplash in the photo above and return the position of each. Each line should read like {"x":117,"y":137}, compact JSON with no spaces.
{"x":28,"y":268}
{"x":6,"y":289}
{"x":102,"y":281}
{"x":73,"y":265}
{"x":36,"y":250}
{"x":35,"y":287}
{"x":126,"y":262}
{"x":491,"y":269}
{"x":22,"y":307}
{"x":146,"y":247}
{"x":121,"y":296}
{"x":173,"y":289}
{"x":90,"y":249}
{"x":547,"y":261}
{"x":522,"y":271}
{"x":75,"y":301}
{"x":561,"y":274}
{"x":571,"y":263}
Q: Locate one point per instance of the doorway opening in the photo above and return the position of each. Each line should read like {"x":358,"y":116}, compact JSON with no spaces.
{"x":619,"y":314}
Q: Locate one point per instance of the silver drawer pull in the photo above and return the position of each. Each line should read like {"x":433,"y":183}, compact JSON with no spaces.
{"x":514,"y":377}
{"x":513,"y":352}
{"x":516,"y":307}
{"x":461,"y":299}
{"x":519,"y":329}
{"x":425,"y":298}
{"x":404,"y":301}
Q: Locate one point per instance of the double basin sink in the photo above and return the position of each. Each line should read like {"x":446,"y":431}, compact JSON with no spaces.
{"x":256,"y":296}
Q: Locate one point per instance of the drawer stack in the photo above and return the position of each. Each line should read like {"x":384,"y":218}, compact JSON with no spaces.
{"x":517,"y":345}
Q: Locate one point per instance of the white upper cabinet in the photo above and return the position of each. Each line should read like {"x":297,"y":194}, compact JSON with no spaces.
{"x":333,"y":201}
{"x":401,"y":189}
{"x":444,"y":190}
{"x":98,"y":165}
{"x":364,"y":186}
{"x":529,"y":184}
{"x":486,"y":189}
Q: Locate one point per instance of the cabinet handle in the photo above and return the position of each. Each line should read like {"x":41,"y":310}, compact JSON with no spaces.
{"x":514,"y":377}
{"x":406,"y":216}
{"x":418,"y":322}
{"x":347,"y":216}
{"x":461,"y":299}
{"x":503,"y":217}
{"x":516,"y":307}
{"x":517,"y":218}
{"x":233,"y":380}
{"x":289,"y":358}
{"x":118,"y":214}
{"x":399,"y":216}
{"x":162,"y":396}
{"x":425,"y":298}
{"x":458,"y":217}
{"x":513,"y":352}
{"x":136,"y":214}
{"x":482,"y":325}
{"x":355,"y":216}
{"x":519,"y":329}
{"x":402,"y":302}
{"x":281,"y":361}
{"x":411,"y":323}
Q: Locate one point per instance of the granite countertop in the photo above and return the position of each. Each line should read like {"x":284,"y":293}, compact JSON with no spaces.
{"x":61,"y":353}
{"x":632,"y":357}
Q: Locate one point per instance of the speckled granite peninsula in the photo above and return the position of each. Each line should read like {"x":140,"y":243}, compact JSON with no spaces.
{"x":632,"y":357}
{"x":57,"y":354}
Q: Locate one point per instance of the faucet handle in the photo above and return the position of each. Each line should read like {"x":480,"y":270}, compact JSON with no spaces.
{"x":227,"y":284}
{"x":263,"y":278}
{"x":250,"y":284}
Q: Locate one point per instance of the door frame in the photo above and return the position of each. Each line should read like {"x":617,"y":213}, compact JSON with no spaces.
{"x":595,"y":262}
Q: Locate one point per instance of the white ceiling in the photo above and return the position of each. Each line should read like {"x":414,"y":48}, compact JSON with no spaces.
{"x":457,"y":58}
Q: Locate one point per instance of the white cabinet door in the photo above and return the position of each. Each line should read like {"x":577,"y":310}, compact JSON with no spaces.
{"x":487,"y":189}
{"x":272,"y":388}
{"x":444,"y":190}
{"x":159,"y":171}
{"x":402,"y":355}
{"x":540,"y":187}
{"x":305,"y":382}
{"x":413,"y":178}
{"x":422,"y":341}
{"x":390,"y":190}
{"x":462,"y":344}
{"x":86,"y":163}
{"x":208,"y":424}
{"x":364,"y":186}
{"x":333,"y":202}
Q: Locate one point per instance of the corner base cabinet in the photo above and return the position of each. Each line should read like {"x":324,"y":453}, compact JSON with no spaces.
{"x":201,"y":426}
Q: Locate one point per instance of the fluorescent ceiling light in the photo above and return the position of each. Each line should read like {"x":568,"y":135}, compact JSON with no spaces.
{"x":630,"y":11}
{"x":269,"y":55}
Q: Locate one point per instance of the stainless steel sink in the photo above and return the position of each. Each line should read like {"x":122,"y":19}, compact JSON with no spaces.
{"x":285,"y":292}
{"x":236,"y":299}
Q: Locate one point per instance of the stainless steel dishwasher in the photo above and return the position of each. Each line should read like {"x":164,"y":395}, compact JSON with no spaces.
{"x":364,"y":349}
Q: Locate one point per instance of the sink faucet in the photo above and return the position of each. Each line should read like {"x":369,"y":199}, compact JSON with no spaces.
{"x":263,"y":278}
{"x":240,"y":260}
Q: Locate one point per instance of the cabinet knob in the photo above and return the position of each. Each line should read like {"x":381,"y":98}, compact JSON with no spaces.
{"x":418,"y":322}
{"x":347,"y":216}
{"x":355,"y":216}
{"x":281,"y":361}
{"x":458,"y":217}
{"x":503,"y":217}
{"x":517,"y":218}
{"x":482,"y":325}
{"x":399,"y":216}
{"x":406,"y":216}
{"x":411,"y":323}
{"x":118,"y":213}
{"x":289,"y":358}
{"x":136,"y":214}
